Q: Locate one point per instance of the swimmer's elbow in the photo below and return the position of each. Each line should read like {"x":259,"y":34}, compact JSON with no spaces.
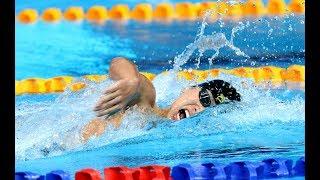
{"x":122,"y":68}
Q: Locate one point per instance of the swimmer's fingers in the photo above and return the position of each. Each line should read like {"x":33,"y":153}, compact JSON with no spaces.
{"x":114,"y":87}
{"x":109,"y":104}
{"x":105,"y":99}
{"x":111,"y":110}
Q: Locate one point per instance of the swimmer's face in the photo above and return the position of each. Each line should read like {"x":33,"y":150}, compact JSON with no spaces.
{"x":186,"y":105}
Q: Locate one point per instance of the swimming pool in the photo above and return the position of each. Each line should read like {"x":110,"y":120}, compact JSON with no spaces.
{"x":268,"y":123}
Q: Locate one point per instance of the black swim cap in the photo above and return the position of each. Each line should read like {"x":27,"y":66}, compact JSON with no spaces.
{"x":217,"y":91}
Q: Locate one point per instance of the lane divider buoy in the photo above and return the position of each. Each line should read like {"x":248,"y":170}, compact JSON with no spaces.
{"x":268,"y":168}
{"x":74,"y":14}
{"x":97,"y":14}
{"x":28,"y":16}
{"x":52,"y":15}
{"x":271,"y":74}
{"x":185,"y":11}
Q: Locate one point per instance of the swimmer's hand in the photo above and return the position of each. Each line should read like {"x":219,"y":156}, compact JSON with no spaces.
{"x":94,"y":128}
{"x":116,"y":97}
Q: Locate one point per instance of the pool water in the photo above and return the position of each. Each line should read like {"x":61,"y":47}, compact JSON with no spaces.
{"x":266,"y":123}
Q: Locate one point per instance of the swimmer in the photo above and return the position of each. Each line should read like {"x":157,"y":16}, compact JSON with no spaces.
{"x":132,"y":88}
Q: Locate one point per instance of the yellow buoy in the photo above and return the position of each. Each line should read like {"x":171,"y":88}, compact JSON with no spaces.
{"x":32,"y":85}
{"x":77,"y":86}
{"x":95,"y":78}
{"x":142,"y":12}
{"x":254,"y":8}
{"x":223,"y":8}
{"x":119,"y":12}
{"x":52,"y":15}
{"x":295,"y":73}
{"x":150,"y":76}
{"x":297,"y":6}
{"x":235,"y":10}
{"x":163,"y":11}
{"x":200,"y":75}
{"x":188,"y":75}
{"x":245,"y":72}
{"x":276,"y":7}
{"x":28,"y":16}
{"x":97,"y":14}
{"x":214,"y":72}
{"x":186,"y":11}
{"x":74,"y":14}
{"x":57,"y":84}
{"x":207,"y":6}
{"x":18,"y":88}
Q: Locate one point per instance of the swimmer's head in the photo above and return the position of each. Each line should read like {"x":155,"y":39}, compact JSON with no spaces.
{"x":196,"y":98}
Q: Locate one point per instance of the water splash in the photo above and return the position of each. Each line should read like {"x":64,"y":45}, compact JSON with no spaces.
{"x":203,"y":43}
{"x":52,"y":128}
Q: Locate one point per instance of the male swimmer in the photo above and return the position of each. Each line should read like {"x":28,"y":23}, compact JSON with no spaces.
{"x":132,"y":88}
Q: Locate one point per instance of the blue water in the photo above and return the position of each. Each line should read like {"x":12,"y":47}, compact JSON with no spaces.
{"x":57,"y":48}
{"x":267,"y":123}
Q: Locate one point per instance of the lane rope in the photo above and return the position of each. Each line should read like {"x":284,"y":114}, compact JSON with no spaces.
{"x":163,"y":11}
{"x":271,"y":74}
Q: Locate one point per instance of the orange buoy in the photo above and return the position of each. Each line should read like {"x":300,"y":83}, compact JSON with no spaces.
{"x":200,"y":75}
{"x":268,"y":74}
{"x":295,"y":73}
{"x":188,"y":75}
{"x":77,"y":86}
{"x":186,"y":11}
{"x":207,"y":6}
{"x":272,"y":73}
{"x":97,"y":14}
{"x":163,"y":11}
{"x":235,"y":10}
{"x":276,"y":7}
{"x":245,"y":72}
{"x":74,"y":14}
{"x":95,"y":78}
{"x":254,"y":8}
{"x":214,"y":72}
{"x":28,"y":16}
{"x":142,"y":12}
{"x":297,"y":6}
{"x":150,"y":76}
{"x":32,"y":85}
{"x":57,"y":84}
{"x":223,"y":8}
{"x":52,"y":15}
{"x":18,"y":88}
{"x":119,"y":12}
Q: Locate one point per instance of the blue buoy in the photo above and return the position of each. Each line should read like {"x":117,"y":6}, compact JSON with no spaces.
{"x":243,"y":170}
{"x":276,"y":167}
{"x":299,"y":168}
{"x":183,"y":172}
{"x":58,"y":175}
{"x":28,"y":176}
{"x":206,"y":171}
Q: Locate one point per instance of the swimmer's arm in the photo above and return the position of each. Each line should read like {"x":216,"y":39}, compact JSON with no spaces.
{"x":97,"y":127}
{"x":130,"y":88}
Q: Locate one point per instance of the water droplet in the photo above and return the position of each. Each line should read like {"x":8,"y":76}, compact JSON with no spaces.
{"x":290,"y":28}
{"x":253,"y":63}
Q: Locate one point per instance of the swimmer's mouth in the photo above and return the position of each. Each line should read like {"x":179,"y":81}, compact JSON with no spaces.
{"x":183,"y":114}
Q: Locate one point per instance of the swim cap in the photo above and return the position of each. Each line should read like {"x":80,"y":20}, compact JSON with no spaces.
{"x":217,"y":91}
